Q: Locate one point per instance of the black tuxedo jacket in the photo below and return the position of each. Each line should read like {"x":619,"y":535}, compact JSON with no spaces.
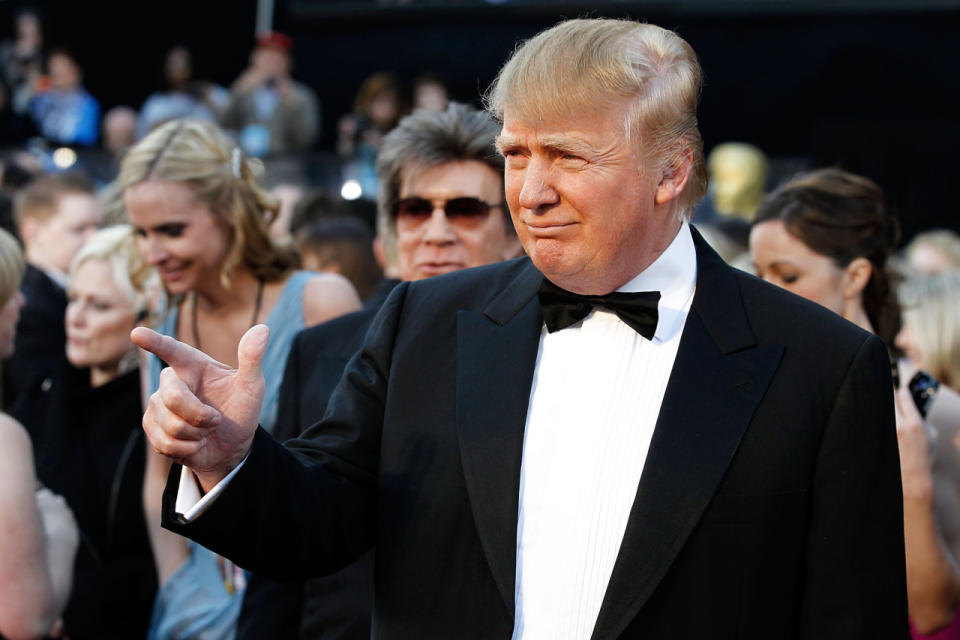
{"x":337,"y":606}
{"x":769,"y":504}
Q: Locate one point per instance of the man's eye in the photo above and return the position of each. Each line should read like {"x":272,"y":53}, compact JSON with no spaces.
{"x":789,"y":278}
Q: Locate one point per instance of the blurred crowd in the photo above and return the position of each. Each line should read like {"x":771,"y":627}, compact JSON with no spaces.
{"x":197,"y":227}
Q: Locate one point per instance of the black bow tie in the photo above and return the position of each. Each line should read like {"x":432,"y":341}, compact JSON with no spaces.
{"x":562,"y":308}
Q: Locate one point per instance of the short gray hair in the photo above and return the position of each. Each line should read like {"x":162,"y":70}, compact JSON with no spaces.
{"x":426,"y":139}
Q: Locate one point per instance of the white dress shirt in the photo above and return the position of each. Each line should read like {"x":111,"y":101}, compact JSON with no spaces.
{"x":596,"y":395}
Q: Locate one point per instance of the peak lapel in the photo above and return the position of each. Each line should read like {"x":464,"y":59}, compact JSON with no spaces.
{"x":718,"y":379}
{"x":496,"y":355}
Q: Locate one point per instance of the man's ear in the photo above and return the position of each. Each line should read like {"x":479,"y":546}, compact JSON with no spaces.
{"x":28,"y":230}
{"x":378,"y":253}
{"x":674,"y":178}
{"x":856,"y":275}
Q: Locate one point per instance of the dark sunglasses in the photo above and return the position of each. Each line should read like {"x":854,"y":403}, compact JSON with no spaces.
{"x":464,"y":211}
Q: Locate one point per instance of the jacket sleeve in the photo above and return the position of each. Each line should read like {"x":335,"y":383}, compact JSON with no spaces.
{"x":855,"y":573}
{"x":308,"y":508}
{"x":287,"y":425}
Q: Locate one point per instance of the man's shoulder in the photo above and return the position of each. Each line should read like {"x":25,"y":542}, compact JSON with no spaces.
{"x":430,"y":307}
{"x":777,"y":315}
{"x":475,"y":285}
{"x":335,"y":334}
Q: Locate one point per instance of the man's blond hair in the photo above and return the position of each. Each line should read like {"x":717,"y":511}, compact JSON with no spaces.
{"x":586,"y":65}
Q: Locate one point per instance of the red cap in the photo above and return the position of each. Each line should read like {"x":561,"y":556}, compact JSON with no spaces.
{"x":275,"y":40}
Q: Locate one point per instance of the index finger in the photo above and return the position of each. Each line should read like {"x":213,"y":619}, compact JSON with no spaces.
{"x":175,"y":353}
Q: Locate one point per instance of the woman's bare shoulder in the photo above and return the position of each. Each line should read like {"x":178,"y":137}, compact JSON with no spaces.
{"x":14,"y":441}
{"x":326,"y":296}
{"x":12,"y":431}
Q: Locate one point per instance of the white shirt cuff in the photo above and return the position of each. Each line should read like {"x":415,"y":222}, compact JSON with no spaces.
{"x":190,"y":503}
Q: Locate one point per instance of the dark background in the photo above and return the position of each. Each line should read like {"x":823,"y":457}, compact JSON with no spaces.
{"x":868,"y":85}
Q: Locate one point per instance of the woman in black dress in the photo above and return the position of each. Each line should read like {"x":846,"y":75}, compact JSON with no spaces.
{"x":95,"y":455}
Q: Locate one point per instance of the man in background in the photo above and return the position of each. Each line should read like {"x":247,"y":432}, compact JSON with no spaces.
{"x":55,"y":215}
{"x":271,"y":111}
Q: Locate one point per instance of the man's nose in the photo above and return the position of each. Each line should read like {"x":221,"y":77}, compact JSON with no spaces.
{"x":438,"y":229}
{"x":537,"y":190}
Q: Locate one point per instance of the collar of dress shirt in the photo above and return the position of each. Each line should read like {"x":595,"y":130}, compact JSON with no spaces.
{"x":674,"y":275}
{"x":59,"y":277}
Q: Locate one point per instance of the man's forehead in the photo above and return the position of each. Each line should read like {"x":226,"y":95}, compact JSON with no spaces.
{"x":591,"y":132}
{"x":455,"y":172}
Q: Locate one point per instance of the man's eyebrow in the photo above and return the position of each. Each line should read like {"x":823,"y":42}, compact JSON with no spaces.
{"x":567,"y":143}
{"x":504,"y":141}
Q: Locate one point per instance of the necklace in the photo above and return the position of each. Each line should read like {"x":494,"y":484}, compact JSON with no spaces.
{"x":256,"y":312}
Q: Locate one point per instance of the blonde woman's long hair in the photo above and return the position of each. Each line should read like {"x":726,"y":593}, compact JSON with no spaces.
{"x":197,"y":153}
{"x":931,"y":309}
{"x":12,"y":266}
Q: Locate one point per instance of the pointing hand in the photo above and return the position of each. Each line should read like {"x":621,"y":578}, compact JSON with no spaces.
{"x":204,"y":413}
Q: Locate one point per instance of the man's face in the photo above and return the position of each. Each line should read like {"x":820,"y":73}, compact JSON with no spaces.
{"x":271,"y":62}
{"x":439,"y":243}
{"x":64,"y":74}
{"x":57,"y":240}
{"x":590,"y":212}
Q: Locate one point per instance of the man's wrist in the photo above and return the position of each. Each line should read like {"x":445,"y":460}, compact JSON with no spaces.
{"x":207,"y":480}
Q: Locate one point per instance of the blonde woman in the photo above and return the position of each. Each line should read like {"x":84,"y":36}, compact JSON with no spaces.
{"x":930,"y":337}
{"x":201,"y":220}
{"x":38,"y":535}
{"x":930,"y":448}
{"x":93,"y":447}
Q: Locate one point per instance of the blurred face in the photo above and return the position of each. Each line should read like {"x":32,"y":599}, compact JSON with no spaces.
{"x":907,"y":341}
{"x":434,"y":242}
{"x":178,"y":234}
{"x":178,"y":67}
{"x":54,"y":242}
{"x":384,"y":109}
{"x":64,"y":73}
{"x":9,"y":315}
{"x":784,"y":260}
{"x":928,"y":259}
{"x":28,"y":31}
{"x":99,"y":318}
{"x":271,"y":62}
{"x":431,"y":96}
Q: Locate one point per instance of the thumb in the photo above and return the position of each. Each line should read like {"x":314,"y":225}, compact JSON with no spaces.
{"x":250,"y":352}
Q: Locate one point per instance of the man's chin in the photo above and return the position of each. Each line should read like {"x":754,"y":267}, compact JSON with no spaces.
{"x":428,"y":271}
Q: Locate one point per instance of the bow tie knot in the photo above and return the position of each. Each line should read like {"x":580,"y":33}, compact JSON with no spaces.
{"x":562,"y":308}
